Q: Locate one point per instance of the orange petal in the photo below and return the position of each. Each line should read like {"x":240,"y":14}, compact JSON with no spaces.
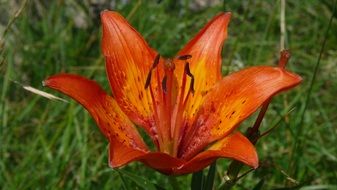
{"x":103,"y":108}
{"x":128,"y":61}
{"x":232,"y":100}
{"x":120,"y":155}
{"x":235,"y":146}
{"x":205,"y":63}
{"x":162,"y":162}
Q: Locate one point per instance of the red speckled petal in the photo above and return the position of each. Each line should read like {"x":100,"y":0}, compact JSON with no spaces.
{"x":103,"y":108}
{"x":231,"y":101}
{"x":235,"y":146}
{"x":122,"y":155}
{"x":128,"y":62}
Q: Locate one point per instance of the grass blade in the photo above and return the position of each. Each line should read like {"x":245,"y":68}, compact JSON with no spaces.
{"x":197,"y":180}
{"x":140,"y":181}
{"x":294,"y":158}
{"x":210,"y":177}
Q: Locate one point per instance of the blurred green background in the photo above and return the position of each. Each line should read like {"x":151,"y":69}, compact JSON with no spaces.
{"x":48,"y":144}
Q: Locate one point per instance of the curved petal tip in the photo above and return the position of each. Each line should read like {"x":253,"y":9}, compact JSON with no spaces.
{"x":114,"y":28}
{"x":227,"y":15}
{"x":254,"y":161}
{"x":107,"y":13}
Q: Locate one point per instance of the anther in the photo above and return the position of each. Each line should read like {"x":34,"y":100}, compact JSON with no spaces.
{"x":188,"y":72}
{"x":156,"y":61}
{"x":154,"y":65}
{"x":163,"y":84}
{"x":148,"y":80}
{"x":184,"y":57}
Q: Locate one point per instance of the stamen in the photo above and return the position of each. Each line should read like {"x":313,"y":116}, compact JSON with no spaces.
{"x":154,"y":65}
{"x":148,"y":79}
{"x":156,"y":103}
{"x":168,"y":108}
{"x":179,"y":114}
{"x":163,"y":84}
{"x":156,"y":61}
{"x":188,"y":72}
{"x":184,"y":57}
{"x":156,"y":118}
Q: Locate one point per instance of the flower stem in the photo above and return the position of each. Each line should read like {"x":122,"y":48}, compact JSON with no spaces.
{"x":210,"y":177}
{"x":253,"y":134}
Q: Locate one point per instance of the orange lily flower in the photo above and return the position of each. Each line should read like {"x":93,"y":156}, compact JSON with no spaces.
{"x":184,"y":105}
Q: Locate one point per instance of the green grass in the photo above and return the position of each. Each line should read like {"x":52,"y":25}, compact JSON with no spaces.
{"x":52,"y":145}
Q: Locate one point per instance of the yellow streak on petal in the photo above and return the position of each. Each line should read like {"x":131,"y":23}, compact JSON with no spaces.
{"x":230,"y":115}
{"x":219,"y":144}
{"x":135,"y":91}
{"x":203,"y":83}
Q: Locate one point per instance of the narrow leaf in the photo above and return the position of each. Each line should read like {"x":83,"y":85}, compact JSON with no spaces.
{"x":210,"y":177}
{"x":197,"y":180}
{"x":259,"y":185}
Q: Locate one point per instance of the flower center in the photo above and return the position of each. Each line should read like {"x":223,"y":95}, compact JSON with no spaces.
{"x":169,"y":100}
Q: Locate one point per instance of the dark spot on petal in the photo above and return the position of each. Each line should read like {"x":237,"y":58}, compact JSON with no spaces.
{"x":212,"y":108}
{"x":203,"y":93}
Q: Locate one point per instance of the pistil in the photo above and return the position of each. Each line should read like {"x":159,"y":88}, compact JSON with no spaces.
{"x":168,"y":101}
{"x":180,"y":123}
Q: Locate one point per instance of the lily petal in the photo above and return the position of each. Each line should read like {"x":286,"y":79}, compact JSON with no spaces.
{"x":235,"y":146}
{"x":112,"y":122}
{"x":120,"y":155}
{"x":128,"y":61}
{"x":232,"y":100}
{"x":205,"y":63}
